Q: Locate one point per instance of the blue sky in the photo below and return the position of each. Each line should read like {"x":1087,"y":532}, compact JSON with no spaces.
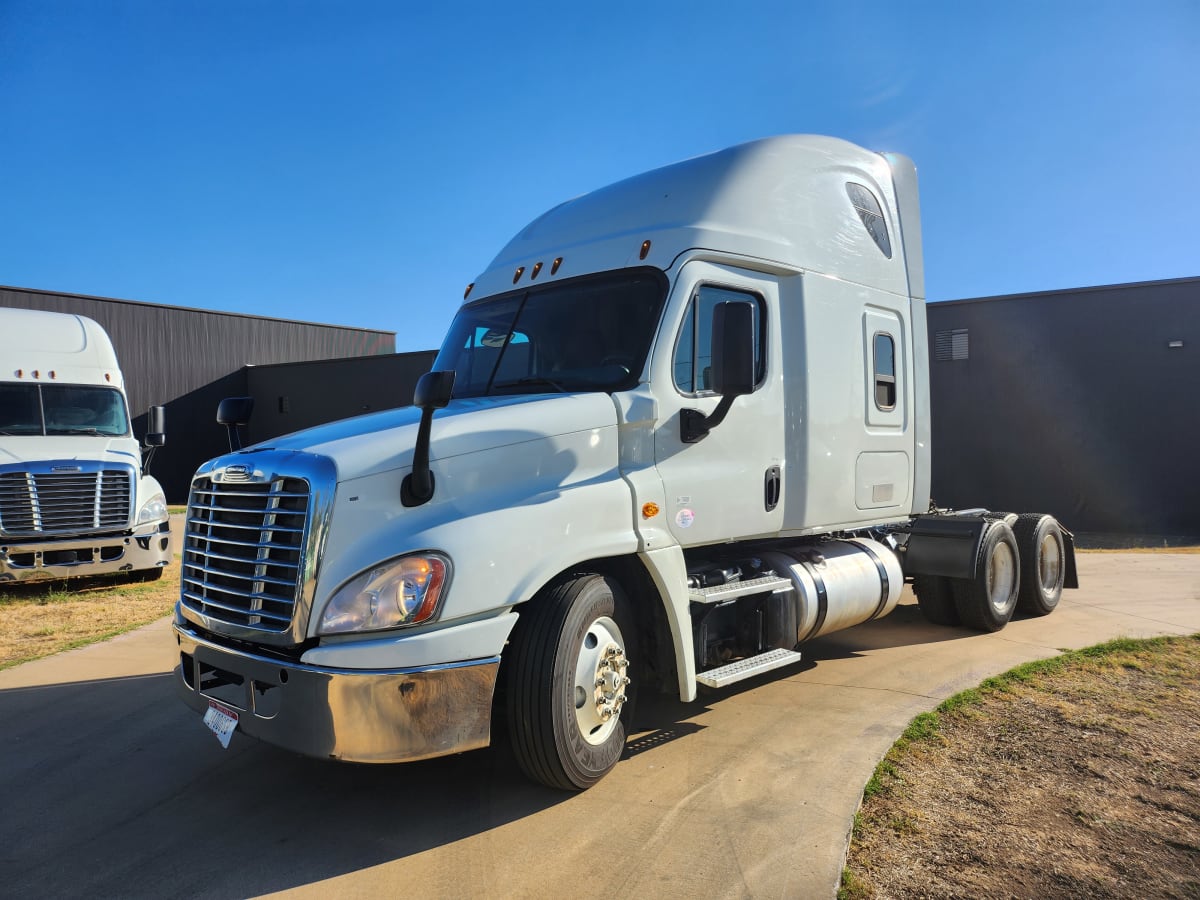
{"x":359,"y":163}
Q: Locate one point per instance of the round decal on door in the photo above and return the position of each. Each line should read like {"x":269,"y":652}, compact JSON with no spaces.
{"x":684,"y":518}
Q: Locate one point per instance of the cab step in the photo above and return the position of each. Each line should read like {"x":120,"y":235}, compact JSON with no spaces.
{"x":719,"y":593}
{"x":747,"y":668}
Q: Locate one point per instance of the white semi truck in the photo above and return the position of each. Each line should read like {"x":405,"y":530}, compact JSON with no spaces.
{"x":679,"y":427}
{"x":75,"y":498}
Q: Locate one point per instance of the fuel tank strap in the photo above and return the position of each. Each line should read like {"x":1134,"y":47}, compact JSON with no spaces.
{"x":822,"y":600}
{"x":885,"y":586}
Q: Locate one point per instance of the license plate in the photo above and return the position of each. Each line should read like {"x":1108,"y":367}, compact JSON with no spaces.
{"x":221,"y":720}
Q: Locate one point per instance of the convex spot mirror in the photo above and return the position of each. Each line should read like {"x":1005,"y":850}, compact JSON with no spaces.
{"x":433,"y":390}
{"x":235,"y":410}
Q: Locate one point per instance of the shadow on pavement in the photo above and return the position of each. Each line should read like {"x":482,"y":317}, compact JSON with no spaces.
{"x":114,"y":788}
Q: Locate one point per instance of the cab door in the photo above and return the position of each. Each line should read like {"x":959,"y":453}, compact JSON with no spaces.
{"x":729,"y":484}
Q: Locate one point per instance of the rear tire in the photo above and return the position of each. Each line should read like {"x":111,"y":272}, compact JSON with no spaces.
{"x":987,"y":601}
{"x":1043,"y":563}
{"x":568,"y":682}
{"x":935,"y":597}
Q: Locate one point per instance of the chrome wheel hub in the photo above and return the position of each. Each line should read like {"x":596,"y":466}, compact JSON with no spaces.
{"x":600,"y":680}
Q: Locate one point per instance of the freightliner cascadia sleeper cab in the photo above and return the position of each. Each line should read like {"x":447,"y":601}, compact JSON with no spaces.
{"x":679,"y":427}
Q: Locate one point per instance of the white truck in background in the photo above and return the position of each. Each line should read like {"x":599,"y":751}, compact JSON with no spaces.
{"x":75,"y":498}
{"x":679,"y":427}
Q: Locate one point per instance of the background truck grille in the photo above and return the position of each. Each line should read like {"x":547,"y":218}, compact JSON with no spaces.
{"x":65,"y":502}
{"x":243,"y":550}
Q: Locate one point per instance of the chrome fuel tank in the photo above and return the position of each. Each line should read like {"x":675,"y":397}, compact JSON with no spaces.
{"x":839,"y":583}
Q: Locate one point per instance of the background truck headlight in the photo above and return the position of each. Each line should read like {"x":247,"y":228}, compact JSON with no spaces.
{"x":153,"y":510}
{"x":404,"y":591}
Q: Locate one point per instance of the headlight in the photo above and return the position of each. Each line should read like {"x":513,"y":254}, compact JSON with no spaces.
{"x":404,"y":591}
{"x":153,"y":510}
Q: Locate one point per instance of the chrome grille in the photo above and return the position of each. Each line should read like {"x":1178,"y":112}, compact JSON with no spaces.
{"x":243,"y":553}
{"x":74,"y":502}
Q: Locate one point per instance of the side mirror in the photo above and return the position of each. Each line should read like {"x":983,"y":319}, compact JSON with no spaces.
{"x":156,"y":426}
{"x":433,"y":392}
{"x":232,"y":412}
{"x":732,"y":367}
{"x":733,"y":348}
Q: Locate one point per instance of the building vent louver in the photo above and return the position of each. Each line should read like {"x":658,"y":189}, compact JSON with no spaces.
{"x":949,"y":345}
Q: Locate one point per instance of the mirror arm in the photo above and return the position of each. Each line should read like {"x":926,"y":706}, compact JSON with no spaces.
{"x":695,"y":426}
{"x":417,"y":487}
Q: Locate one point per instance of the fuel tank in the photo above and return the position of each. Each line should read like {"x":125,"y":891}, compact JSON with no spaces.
{"x":838,"y":583}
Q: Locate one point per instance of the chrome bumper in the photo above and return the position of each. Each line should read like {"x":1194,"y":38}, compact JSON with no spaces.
{"x":358,"y":716}
{"x":146,"y":547}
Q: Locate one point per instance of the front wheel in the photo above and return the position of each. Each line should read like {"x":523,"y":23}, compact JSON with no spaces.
{"x":569,"y":681}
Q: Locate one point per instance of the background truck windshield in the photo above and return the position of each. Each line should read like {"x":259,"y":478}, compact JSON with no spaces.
{"x":590,"y":334}
{"x":62,"y":409}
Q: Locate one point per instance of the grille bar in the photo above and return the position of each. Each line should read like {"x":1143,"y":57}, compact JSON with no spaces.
{"x":243,"y":551}
{"x":49,"y":502}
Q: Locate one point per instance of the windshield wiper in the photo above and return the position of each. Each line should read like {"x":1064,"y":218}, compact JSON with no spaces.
{"x":80,"y":430}
{"x":531,"y":380}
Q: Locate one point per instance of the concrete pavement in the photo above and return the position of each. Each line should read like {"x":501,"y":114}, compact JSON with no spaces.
{"x":112,"y":787}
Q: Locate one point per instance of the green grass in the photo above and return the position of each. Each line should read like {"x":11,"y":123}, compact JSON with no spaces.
{"x":926,"y":727}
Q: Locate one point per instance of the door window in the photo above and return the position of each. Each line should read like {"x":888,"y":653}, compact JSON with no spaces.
{"x":693,"y":351}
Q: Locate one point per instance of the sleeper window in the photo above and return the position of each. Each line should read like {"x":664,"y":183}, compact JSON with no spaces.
{"x":885,"y":372}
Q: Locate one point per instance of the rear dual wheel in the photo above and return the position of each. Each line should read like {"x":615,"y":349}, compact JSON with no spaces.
{"x":1043,"y":570}
{"x":987,"y":601}
{"x":935,"y":597}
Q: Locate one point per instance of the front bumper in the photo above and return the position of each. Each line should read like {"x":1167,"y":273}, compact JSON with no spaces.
{"x":146,"y":547}
{"x":375,"y":716}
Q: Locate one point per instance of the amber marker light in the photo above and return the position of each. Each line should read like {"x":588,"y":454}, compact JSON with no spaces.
{"x":649,"y":510}
{"x":467,"y":292}
{"x":537,"y":267}
{"x":554,"y":266}
{"x":517,"y":275}
{"x":645,"y":250}
{"x":52,"y":375}
{"x":35,"y":374}
{"x":20,"y":373}
{"x":107,"y":377}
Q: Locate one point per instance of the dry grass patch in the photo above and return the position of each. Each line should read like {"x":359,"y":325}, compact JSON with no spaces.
{"x":1077,"y":776}
{"x":48,"y":617}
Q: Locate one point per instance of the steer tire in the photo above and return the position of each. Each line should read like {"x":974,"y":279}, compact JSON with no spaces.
{"x":987,"y":601}
{"x":1043,"y":563}
{"x":557,"y":656}
{"x":935,"y":597}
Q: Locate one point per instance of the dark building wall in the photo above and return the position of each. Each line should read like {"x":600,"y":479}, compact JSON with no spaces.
{"x":1073,"y":403}
{"x":188,"y":359}
{"x":292,"y":396}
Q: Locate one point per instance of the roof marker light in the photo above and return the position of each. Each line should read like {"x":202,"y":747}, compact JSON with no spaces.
{"x":52,"y":374}
{"x":537,"y":267}
{"x":107,"y":377}
{"x":517,"y":275}
{"x":20,"y":373}
{"x":554,"y":266}
{"x":467,"y":292}
{"x":35,"y":374}
{"x":645,"y":250}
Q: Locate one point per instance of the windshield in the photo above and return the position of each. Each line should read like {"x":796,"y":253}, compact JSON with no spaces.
{"x":62,"y":409}
{"x":590,"y":334}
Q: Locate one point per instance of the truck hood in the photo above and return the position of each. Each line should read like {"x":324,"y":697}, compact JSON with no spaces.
{"x":22,"y":449}
{"x":381,"y":442}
